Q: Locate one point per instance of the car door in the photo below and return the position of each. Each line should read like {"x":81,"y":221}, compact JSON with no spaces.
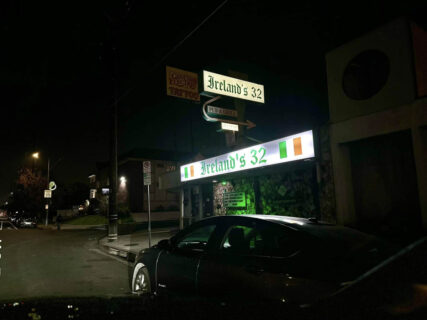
{"x":255,"y":260}
{"x":177,"y":267}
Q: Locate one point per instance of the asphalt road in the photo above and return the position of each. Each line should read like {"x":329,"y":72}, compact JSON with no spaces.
{"x":50,"y":263}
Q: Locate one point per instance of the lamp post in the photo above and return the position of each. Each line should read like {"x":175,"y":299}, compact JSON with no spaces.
{"x":36,"y":156}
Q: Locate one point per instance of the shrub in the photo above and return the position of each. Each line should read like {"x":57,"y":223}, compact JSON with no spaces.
{"x":173,"y":207}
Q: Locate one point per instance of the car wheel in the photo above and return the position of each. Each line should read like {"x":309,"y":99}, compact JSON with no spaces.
{"x":140,"y":280}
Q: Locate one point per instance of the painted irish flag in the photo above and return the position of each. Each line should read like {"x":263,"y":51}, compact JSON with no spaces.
{"x":297,"y":147}
{"x":189,"y":172}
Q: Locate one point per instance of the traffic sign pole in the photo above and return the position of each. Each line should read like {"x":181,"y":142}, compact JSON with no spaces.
{"x":48,"y":202}
{"x":149,"y":218}
{"x":146,"y":169}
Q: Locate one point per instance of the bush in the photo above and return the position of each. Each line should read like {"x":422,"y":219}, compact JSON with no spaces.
{"x":173,"y":207}
{"x":159,"y":209}
{"x":123,"y":210}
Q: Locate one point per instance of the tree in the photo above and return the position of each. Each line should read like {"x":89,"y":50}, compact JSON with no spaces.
{"x":28,"y":194}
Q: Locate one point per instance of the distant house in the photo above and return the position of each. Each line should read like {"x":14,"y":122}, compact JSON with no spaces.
{"x":131,"y":190}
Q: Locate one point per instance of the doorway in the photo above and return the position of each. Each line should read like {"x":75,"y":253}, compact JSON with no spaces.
{"x":385,"y":186}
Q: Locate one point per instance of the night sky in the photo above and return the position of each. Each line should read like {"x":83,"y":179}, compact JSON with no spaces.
{"x":61,"y":60}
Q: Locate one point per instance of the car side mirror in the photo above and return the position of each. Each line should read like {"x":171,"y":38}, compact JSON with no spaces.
{"x":164,"y":244}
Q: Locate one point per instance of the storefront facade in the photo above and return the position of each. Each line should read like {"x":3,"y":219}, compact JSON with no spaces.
{"x":276,"y":177}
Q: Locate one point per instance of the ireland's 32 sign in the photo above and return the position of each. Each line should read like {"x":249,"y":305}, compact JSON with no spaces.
{"x":296,"y":147}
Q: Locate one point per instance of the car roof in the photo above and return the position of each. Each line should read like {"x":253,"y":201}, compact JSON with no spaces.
{"x":283,"y":220}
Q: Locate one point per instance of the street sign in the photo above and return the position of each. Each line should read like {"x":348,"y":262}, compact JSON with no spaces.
{"x":146,"y":166}
{"x":229,"y":126}
{"x":52,"y":185}
{"x":218,"y":84}
{"x":234,"y":200}
{"x":48,"y":193}
{"x":222,"y":111}
{"x":92,"y":193}
{"x":207,"y":117}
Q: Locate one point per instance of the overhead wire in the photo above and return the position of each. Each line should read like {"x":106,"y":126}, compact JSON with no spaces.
{"x":129,"y":90}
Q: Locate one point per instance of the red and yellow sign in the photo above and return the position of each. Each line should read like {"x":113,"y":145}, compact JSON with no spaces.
{"x":182,"y":84}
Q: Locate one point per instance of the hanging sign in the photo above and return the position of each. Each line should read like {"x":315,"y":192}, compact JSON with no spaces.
{"x":218,"y":84}
{"x":182,"y":84}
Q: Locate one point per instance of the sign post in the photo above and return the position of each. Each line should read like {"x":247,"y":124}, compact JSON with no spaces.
{"x":146,"y":165}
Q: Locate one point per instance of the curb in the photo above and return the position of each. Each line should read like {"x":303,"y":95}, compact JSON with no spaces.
{"x":70,"y":227}
{"x":127,"y":255}
{"x":114,"y":251}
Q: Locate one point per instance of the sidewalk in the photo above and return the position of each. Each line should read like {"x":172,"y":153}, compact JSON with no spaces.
{"x":72,"y":227}
{"x":155,"y":216}
{"x":127,"y":246}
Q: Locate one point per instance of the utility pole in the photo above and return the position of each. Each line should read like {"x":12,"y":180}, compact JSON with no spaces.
{"x":113,"y":213}
{"x":47,"y":202}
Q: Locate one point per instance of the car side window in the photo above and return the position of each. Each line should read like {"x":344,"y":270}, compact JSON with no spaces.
{"x":240,"y":239}
{"x":282,"y":242}
{"x":197,"y":239}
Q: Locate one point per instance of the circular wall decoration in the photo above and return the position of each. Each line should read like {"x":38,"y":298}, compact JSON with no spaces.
{"x":366,"y":74}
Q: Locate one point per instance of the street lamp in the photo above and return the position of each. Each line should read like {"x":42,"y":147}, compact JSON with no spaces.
{"x":35,"y":155}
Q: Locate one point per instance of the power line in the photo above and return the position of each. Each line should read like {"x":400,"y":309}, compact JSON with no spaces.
{"x":128,"y":91}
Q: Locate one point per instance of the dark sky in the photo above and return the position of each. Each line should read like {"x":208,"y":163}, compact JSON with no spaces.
{"x":61,"y":60}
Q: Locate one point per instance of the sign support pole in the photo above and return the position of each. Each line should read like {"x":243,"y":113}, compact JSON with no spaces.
{"x":149,"y":217}
{"x":181,"y":209}
{"x":146,"y":169}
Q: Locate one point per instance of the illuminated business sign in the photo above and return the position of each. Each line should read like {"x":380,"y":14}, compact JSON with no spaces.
{"x":182,"y":84}
{"x":218,"y":84}
{"x":296,"y":147}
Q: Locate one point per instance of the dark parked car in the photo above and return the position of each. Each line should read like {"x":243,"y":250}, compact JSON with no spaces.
{"x":27,"y":222}
{"x":23,"y":219}
{"x":257,"y":257}
{"x":15,"y":216}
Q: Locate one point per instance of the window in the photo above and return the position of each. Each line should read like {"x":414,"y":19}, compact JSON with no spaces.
{"x":243,"y":240}
{"x":366,"y":75}
{"x":197,"y":239}
{"x":261,"y":240}
{"x":282,"y":242}
{"x":170,"y":168}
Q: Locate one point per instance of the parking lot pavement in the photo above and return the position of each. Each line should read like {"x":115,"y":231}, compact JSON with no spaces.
{"x":127,"y":246}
